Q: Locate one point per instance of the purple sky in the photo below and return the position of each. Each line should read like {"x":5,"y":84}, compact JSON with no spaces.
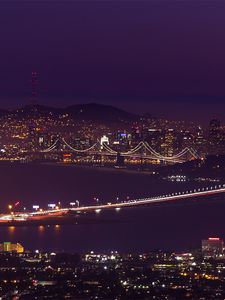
{"x":165,"y":57}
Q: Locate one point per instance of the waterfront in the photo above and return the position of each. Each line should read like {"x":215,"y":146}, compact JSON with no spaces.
{"x":167,"y":226}
{"x":46,"y":183}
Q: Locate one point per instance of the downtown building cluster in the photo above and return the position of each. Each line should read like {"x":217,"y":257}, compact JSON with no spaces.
{"x":26,"y":133}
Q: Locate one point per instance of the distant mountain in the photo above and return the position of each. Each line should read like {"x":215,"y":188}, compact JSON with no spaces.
{"x":88,"y":112}
{"x":99,"y":112}
{"x":36,"y":110}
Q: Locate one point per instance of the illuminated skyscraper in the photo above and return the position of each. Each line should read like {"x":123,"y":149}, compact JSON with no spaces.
{"x":9,"y":247}
{"x":168,"y":143}
{"x":216,"y":137}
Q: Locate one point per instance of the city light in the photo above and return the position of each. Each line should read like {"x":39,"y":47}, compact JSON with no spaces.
{"x":112,"y":150}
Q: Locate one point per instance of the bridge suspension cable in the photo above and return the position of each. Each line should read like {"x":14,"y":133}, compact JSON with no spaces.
{"x":178,"y":155}
{"x":52,"y":147}
{"x":107,"y":148}
{"x":80,"y":150}
{"x":141,"y":145}
{"x":134,"y":150}
{"x":194,"y":153}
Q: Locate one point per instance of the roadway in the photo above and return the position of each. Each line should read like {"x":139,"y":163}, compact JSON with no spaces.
{"x":58,"y":214}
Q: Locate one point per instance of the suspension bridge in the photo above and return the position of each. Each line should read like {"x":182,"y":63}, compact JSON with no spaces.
{"x":142,"y":151}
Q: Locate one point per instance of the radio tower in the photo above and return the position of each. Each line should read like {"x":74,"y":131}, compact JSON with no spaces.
{"x":34,"y":85}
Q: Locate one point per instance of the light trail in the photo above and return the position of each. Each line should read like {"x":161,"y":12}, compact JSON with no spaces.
{"x":152,"y":200}
{"x":45,"y":214}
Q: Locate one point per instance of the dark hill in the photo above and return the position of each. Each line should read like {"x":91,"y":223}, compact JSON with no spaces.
{"x":88,"y":112}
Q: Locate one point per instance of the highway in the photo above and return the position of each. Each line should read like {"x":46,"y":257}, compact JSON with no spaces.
{"x":60,"y":213}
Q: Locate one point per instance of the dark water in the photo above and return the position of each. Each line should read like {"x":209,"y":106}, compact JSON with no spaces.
{"x":177,"y":226}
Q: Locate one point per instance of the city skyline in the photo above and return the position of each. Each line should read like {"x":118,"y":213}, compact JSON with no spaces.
{"x":112,"y":143}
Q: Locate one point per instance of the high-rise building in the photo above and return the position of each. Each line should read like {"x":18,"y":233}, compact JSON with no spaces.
{"x":216,"y":137}
{"x":9,"y":247}
{"x":168,"y":143}
{"x":214,"y":125}
{"x":200,"y":141}
{"x":212,"y":247}
{"x":155,"y":136}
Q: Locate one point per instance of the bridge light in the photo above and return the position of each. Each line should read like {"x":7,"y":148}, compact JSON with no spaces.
{"x":118,"y":208}
{"x":97,"y":211}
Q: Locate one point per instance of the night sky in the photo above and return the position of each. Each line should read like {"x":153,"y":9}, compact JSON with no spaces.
{"x":164,"y":57}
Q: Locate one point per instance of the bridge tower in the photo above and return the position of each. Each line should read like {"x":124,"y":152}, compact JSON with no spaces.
{"x":119,"y":160}
{"x":34,"y":87}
